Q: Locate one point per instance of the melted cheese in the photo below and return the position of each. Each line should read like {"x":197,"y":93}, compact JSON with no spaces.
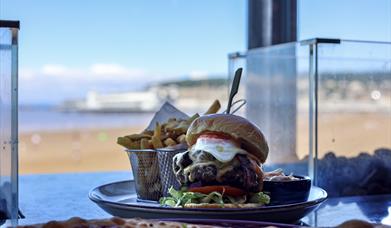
{"x":222,"y":149}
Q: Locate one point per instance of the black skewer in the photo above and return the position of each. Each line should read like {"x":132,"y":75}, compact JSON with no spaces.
{"x":234,"y":88}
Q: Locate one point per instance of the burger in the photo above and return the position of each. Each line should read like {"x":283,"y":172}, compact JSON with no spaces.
{"x":223,"y":165}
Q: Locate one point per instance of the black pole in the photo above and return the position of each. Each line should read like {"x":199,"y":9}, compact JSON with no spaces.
{"x":9,"y":24}
{"x":271,"y":22}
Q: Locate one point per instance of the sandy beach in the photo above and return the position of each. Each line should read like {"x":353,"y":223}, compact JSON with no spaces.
{"x":73,"y":151}
{"x":91,"y":150}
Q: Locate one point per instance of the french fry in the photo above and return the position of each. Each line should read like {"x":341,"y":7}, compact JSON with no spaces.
{"x":182,"y":126}
{"x":134,"y":144}
{"x":137,"y":136}
{"x":169,"y":142}
{"x":214,"y":108}
{"x":156,"y":142}
{"x":145,"y":144}
{"x":168,"y":134}
{"x":171,"y":125}
{"x":126,"y":142}
{"x":181,"y":139}
{"x":158,"y":130}
{"x":123,"y":141}
{"x":147,"y":132}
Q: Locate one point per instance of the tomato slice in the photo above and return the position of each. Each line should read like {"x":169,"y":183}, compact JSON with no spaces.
{"x":228,"y":190}
{"x":218,"y":135}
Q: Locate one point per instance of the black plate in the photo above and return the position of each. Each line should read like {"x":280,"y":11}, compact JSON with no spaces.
{"x":120,"y":199}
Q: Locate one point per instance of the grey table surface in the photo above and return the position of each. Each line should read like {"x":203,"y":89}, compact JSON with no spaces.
{"x":60,"y":196}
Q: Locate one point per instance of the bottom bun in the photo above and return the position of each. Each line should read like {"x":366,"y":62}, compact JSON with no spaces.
{"x":226,"y":205}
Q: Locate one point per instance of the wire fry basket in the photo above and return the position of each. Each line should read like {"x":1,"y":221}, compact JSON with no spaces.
{"x":152,"y":172}
{"x":167,"y":176}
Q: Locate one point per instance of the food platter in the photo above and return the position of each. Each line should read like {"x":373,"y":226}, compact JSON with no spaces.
{"x":120,"y":199}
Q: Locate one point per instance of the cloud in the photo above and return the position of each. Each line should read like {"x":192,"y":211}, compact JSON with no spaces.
{"x":55,"y":70}
{"x":114,"y":70}
{"x":198,"y":74}
{"x":98,"y":71}
{"x":26,"y":73}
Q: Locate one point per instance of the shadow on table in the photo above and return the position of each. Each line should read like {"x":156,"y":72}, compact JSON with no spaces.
{"x":375,"y":208}
{"x":364,"y":174}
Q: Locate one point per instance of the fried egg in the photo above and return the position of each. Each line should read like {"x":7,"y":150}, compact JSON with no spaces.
{"x":223,"y":150}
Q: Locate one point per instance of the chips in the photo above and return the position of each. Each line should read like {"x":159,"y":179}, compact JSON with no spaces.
{"x":168,"y":134}
{"x":164,"y":135}
{"x":214,"y":107}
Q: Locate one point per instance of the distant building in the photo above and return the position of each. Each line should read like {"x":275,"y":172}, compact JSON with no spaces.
{"x":187,"y":95}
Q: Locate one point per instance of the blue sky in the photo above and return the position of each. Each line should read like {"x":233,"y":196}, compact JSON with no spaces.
{"x":168,"y":36}
{"x":70,"y":47}
{"x":345,"y":19}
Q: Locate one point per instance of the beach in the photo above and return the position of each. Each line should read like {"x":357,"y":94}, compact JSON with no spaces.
{"x":76,"y":150}
{"x":95,"y":149}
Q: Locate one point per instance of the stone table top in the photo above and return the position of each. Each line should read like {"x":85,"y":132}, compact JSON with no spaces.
{"x":61,"y":196}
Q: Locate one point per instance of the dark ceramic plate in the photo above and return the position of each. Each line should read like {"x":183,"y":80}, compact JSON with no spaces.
{"x":120,"y":199}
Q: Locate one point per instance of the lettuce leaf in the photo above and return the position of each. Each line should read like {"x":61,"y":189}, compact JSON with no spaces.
{"x":174,"y":193}
{"x":236,"y":200}
{"x":260,"y":198}
{"x":181,"y":197}
{"x":213,"y":197}
{"x":190,"y":197}
{"x":169,"y":201}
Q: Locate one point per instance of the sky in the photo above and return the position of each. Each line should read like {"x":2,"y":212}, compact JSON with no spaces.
{"x":345,"y":19}
{"x":68,"y":48}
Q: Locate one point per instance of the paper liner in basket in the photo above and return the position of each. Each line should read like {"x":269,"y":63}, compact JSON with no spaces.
{"x":166,"y":112}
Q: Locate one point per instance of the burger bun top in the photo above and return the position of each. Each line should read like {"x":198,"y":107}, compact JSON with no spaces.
{"x":241,"y":129}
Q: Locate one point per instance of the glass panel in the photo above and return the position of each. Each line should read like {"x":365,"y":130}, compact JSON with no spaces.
{"x":275,"y":85}
{"x":8,"y":132}
{"x":354,"y":118}
{"x":349,"y":114}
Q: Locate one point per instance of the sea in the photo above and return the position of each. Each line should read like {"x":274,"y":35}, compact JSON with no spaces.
{"x":47,"y":119}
